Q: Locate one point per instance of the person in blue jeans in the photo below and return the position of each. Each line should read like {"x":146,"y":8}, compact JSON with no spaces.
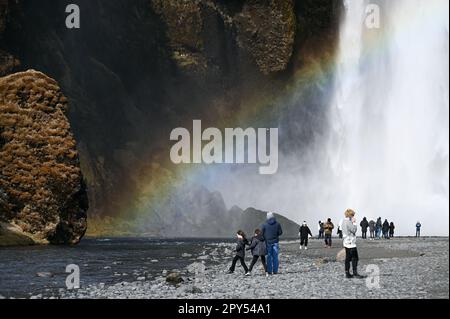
{"x":272,"y":231}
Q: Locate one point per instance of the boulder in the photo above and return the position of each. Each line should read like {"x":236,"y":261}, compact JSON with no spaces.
{"x":174,"y":278}
{"x":42,"y":187}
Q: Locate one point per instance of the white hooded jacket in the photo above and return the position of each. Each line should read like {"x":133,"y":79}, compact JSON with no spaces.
{"x":349,"y":230}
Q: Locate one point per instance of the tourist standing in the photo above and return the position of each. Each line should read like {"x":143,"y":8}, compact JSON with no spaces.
{"x":349,"y":230}
{"x":272,"y":231}
{"x":320,"y":229}
{"x":328,"y":230}
{"x":372,"y":225}
{"x":364,"y":225}
{"x":378,"y":227}
{"x":391,"y":230}
{"x":386,"y":229}
{"x":418,"y":227}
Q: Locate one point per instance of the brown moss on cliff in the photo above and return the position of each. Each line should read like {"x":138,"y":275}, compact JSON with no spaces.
{"x":39,"y":167}
{"x":266,"y":29}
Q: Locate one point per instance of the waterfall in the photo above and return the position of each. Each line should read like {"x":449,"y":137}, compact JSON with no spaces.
{"x":389,"y":118}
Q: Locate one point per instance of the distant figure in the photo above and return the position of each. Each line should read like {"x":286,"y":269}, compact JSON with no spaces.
{"x":364,"y":225}
{"x":391,"y":230}
{"x":303,"y":233}
{"x":272,"y":231}
{"x":418,"y":226}
{"x":386,"y":229}
{"x":372,"y":229}
{"x":240,"y":253}
{"x":320,"y":229}
{"x":349,"y":230}
{"x":258,"y":249}
{"x":378,"y":227}
{"x":339,"y":229}
{"x":328,"y":230}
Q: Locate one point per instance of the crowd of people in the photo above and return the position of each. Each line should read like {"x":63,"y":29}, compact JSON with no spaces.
{"x":264,"y":244}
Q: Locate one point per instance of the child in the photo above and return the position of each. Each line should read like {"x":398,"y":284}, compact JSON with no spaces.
{"x":349,"y":230}
{"x":259,"y":249}
{"x":240,"y":253}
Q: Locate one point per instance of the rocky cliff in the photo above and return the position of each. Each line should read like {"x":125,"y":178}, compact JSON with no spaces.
{"x":42,"y":191}
{"x":138,"y":68}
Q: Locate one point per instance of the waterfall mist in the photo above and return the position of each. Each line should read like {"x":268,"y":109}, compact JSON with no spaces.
{"x":384,"y":150}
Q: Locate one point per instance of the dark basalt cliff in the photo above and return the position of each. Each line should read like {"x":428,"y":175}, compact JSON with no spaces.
{"x":138,"y":68}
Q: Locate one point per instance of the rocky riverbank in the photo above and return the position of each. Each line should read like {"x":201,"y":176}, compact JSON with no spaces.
{"x":408,"y":268}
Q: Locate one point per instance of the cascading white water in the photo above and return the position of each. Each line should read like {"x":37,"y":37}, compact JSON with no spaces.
{"x":389,"y":123}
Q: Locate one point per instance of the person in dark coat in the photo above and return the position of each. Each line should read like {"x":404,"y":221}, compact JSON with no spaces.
{"x":258,"y":249}
{"x":391,"y":230}
{"x":386,"y":229}
{"x":364,"y":225}
{"x":303,"y":233}
{"x":378,"y":228}
{"x":272,"y":231}
{"x":418,"y":227}
{"x":240,"y":253}
{"x":320,"y":230}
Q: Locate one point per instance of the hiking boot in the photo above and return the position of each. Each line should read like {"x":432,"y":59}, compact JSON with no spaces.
{"x":348,"y":275}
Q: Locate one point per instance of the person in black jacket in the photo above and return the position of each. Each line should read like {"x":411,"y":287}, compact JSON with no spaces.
{"x":364,"y":225}
{"x":391,"y":230}
{"x":240,"y":253}
{"x":386,"y":229}
{"x":304,"y":232}
{"x":258,"y":249}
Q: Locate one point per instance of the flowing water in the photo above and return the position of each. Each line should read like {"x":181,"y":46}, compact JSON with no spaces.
{"x":390,"y":113}
{"x":26,"y":271}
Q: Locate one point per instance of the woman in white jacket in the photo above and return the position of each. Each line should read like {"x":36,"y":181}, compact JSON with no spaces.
{"x":349,"y":229}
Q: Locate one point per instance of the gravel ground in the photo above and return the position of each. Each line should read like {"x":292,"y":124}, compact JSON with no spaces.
{"x":408,"y":268}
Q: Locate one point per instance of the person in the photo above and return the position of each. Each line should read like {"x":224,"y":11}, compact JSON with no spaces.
{"x":372,"y":229}
{"x":364,"y":225}
{"x":378,"y":227}
{"x":240,"y":253}
{"x":418,"y":226}
{"x":320,"y":229}
{"x":349,"y":230}
{"x":272,"y":231}
{"x":391,"y":230}
{"x":303,"y":233}
{"x":328,"y":230}
{"x":339,"y":230}
{"x":386,"y":229}
{"x":259,"y":250}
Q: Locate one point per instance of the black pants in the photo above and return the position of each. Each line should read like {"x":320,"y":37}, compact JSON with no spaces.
{"x":235,"y":260}
{"x":351,"y":256}
{"x":304,"y":241}
{"x":255,"y":259}
{"x":364,"y":234}
{"x":328,"y":240}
